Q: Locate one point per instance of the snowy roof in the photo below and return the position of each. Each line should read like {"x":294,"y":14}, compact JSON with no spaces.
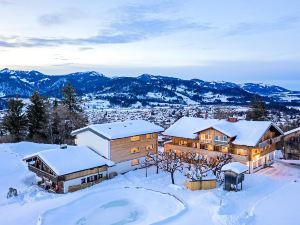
{"x":71,"y":159}
{"x":122,"y":129}
{"x":235,"y":167}
{"x":292,"y":131}
{"x":245,"y":132}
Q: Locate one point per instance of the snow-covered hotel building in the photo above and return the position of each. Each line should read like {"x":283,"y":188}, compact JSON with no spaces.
{"x":102,"y":150}
{"x":250,"y":142}
{"x":124,"y":143}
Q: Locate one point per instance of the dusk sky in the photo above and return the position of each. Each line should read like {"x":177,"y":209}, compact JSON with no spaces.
{"x":232,"y":40}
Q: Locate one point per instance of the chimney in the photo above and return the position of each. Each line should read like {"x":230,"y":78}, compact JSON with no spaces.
{"x":63,"y":146}
{"x":232,"y":119}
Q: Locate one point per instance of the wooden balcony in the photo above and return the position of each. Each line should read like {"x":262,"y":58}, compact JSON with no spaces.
{"x":209,"y":153}
{"x":270,"y":141}
{"x":42,"y":173}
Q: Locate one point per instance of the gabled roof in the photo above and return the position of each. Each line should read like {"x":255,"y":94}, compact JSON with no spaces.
{"x":245,"y":132}
{"x":292,"y":131}
{"x":121,"y":129}
{"x":71,"y":159}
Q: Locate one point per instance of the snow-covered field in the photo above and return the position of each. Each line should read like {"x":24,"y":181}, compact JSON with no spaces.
{"x":270,"y":197}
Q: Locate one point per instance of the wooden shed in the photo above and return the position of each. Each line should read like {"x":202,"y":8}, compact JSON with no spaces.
{"x":234,"y":175}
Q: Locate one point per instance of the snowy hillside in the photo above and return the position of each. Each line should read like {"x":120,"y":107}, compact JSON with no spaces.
{"x":142,"y":90}
{"x":269,"y":197}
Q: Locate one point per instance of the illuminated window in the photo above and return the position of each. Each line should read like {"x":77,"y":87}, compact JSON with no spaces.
{"x":134,"y":162}
{"x":148,"y":136}
{"x":224,"y":149}
{"x":135,"y":138}
{"x":149,"y":147}
{"x":206,"y":136}
{"x":134,"y":150}
{"x":241,"y":152}
{"x":182,"y":142}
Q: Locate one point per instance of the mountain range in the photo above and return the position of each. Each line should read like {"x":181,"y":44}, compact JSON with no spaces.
{"x":145,"y":89}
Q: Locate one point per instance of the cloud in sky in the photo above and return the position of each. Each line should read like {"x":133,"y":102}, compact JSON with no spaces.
{"x":58,"y":18}
{"x":6,"y":3}
{"x":51,"y":19}
{"x":164,"y":35}
{"x":280,"y":24}
{"x":120,"y":32}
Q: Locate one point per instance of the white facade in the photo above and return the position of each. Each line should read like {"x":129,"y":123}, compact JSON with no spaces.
{"x":261,"y":162}
{"x":77,"y":181}
{"x":124,"y":167}
{"x":94,"y":142}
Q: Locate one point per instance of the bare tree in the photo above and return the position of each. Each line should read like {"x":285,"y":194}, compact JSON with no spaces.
{"x":198,"y":167}
{"x":146,"y":163}
{"x":218,"y":162}
{"x":156,"y":159}
{"x":171,"y":162}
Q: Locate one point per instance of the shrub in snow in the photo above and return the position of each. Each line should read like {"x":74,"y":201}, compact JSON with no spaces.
{"x":12,"y":192}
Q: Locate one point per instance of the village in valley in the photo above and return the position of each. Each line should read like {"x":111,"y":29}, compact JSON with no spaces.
{"x":208,"y":164}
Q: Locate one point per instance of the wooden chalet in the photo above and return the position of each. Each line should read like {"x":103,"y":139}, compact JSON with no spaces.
{"x":68,"y":169}
{"x":249,"y":142}
{"x":291,"y":144}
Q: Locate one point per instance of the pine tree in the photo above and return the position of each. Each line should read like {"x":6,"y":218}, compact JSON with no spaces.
{"x":67,"y":116}
{"x":15,"y":121}
{"x":69,"y":98}
{"x":257,"y":109}
{"x":37,"y":117}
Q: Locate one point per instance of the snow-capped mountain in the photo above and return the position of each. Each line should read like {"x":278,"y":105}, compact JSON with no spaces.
{"x":145,"y":89}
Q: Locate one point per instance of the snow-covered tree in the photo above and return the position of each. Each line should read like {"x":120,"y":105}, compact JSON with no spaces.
{"x":38,"y":117}
{"x":171,"y":162}
{"x":15,"y":121}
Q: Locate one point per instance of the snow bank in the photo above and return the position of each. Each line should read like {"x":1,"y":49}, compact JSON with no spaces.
{"x":123,"y":206}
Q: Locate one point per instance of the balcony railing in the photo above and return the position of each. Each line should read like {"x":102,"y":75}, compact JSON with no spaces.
{"x":269,"y":141}
{"x":42,"y":173}
{"x":210,"y":153}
